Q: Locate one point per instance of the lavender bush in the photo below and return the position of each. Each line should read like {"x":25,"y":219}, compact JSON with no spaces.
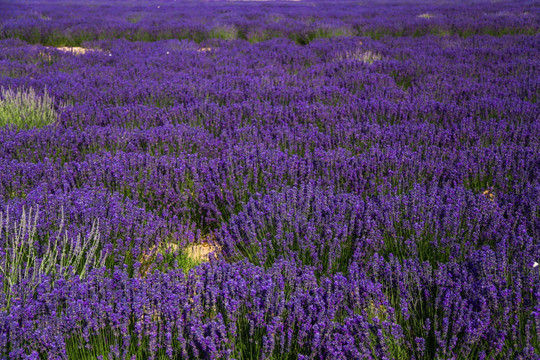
{"x":23,"y":109}
{"x":363,"y":179}
{"x":61,"y":257}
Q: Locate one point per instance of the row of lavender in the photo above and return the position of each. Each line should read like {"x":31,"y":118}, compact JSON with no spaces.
{"x":58,"y":23}
{"x":369,"y":198}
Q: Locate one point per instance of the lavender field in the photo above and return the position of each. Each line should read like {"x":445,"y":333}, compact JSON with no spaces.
{"x":269,"y":180}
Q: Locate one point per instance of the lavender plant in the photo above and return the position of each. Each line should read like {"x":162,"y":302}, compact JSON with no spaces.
{"x":368,"y":175}
{"x":61,"y":258}
{"x":26,"y":109}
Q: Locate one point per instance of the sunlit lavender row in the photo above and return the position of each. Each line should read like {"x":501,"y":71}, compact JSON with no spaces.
{"x":269,"y":180}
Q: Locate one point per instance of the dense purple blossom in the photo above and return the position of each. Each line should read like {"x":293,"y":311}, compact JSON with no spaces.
{"x":367,"y":173}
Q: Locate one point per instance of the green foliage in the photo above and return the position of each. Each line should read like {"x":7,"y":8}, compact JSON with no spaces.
{"x":225,"y":32}
{"x":62,"y":257}
{"x":167,"y":257}
{"x":106,"y":342}
{"x":26,"y":109}
{"x":133,"y":19}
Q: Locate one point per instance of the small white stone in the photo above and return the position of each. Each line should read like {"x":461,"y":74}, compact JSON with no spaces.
{"x":535,"y":264}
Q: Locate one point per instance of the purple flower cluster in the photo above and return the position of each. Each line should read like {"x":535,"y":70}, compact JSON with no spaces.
{"x":55,"y":23}
{"x":367,"y":174}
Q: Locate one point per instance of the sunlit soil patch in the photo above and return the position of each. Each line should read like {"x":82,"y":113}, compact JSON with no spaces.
{"x":172,"y":255}
{"x":425,"y":16}
{"x":204,"y":49}
{"x":201,"y":252}
{"x":76,"y":50}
